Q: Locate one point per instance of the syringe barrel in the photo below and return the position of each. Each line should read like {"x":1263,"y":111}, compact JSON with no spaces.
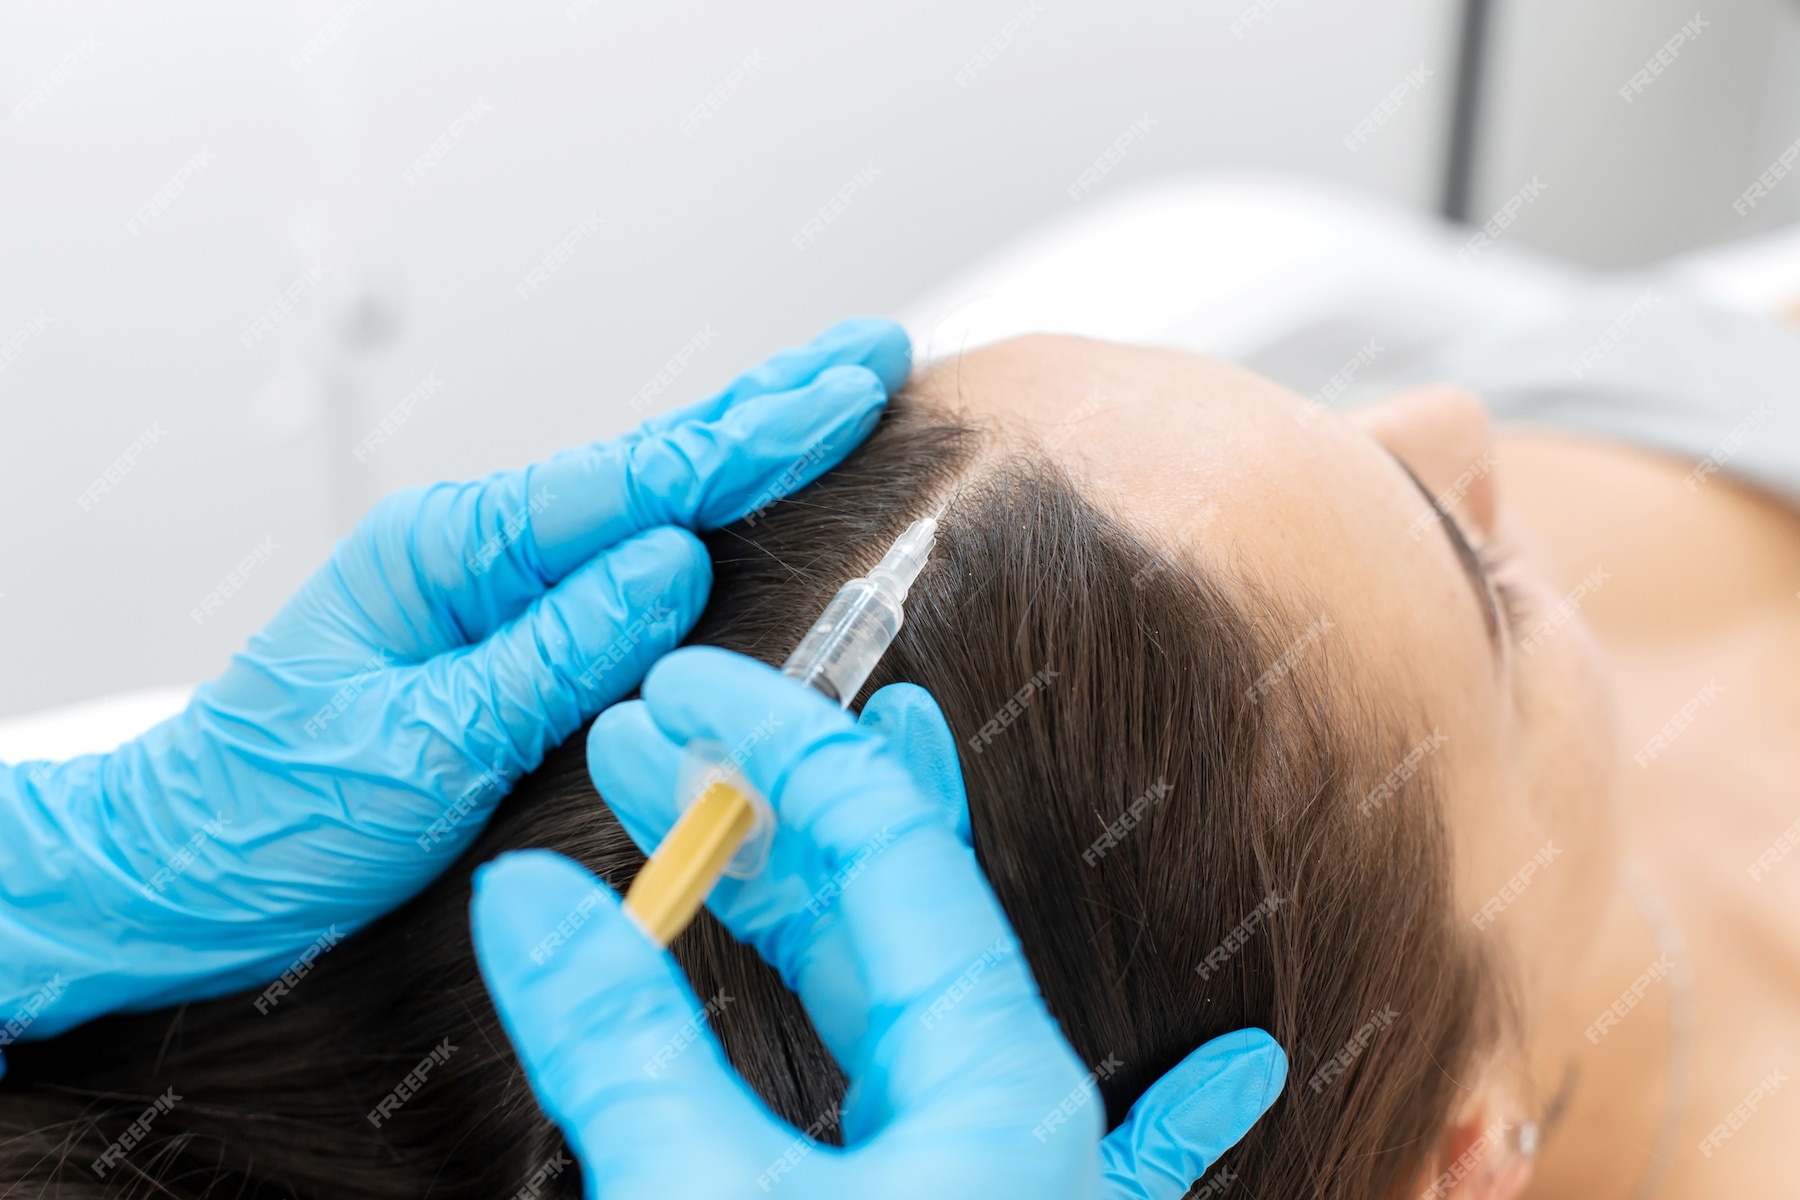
{"x":841,"y":649}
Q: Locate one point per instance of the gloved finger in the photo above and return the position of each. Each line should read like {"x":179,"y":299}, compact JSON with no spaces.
{"x":614,"y":1042}
{"x":1197,"y":1111}
{"x":909,"y":718}
{"x":700,"y":474}
{"x":627,"y":753}
{"x":629,"y":756}
{"x":579,"y":647}
{"x":872,"y":342}
{"x":917,"y":913}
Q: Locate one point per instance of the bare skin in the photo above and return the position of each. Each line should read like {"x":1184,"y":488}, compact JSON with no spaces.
{"x":1542,"y":721}
{"x":1704,"y":590}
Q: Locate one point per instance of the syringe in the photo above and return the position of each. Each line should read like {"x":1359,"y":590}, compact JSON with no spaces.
{"x":727,"y":825}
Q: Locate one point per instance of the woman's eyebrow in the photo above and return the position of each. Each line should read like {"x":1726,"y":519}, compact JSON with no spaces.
{"x":1465,"y":554}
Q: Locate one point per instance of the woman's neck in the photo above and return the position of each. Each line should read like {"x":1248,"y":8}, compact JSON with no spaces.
{"x":1604,"y":1060}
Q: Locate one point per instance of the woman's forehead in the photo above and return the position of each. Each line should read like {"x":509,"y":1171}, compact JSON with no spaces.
{"x":1252,"y":479}
{"x":1198,"y":451}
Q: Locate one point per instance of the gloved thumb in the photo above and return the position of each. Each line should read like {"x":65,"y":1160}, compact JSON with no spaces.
{"x":1199,"y":1109}
{"x":907,"y":716}
{"x":615,"y":1044}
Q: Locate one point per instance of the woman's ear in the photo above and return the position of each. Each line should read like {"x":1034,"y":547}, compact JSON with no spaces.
{"x":1487,"y":1152}
{"x":1442,"y":433}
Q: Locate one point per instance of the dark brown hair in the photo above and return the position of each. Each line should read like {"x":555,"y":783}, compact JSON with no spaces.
{"x":1107,"y":682}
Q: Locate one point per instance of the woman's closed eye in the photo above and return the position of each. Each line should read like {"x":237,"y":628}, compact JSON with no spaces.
{"x":1512,"y":600}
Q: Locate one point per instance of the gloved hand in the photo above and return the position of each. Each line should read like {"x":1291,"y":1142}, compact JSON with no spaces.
{"x":359,"y":743}
{"x":874,"y":910}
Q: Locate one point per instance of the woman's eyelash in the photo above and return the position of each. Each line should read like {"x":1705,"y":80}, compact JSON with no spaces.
{"x":1513,"y":602}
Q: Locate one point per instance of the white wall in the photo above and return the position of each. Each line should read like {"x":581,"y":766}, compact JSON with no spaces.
{"x":1627,"y":182}
{"x":104,"y":103}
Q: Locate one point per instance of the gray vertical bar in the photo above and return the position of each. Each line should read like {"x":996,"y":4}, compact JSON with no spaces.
{"x":1465,"y":117}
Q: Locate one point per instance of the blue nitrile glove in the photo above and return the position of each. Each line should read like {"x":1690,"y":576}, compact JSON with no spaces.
{"x":961,"y":1083}
{"x":360,"y":742}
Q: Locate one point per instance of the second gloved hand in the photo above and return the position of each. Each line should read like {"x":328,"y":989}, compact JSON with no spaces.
{"x":874,"y":910}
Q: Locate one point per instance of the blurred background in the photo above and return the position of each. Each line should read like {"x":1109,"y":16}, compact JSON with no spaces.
{"x":236,"y":241}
